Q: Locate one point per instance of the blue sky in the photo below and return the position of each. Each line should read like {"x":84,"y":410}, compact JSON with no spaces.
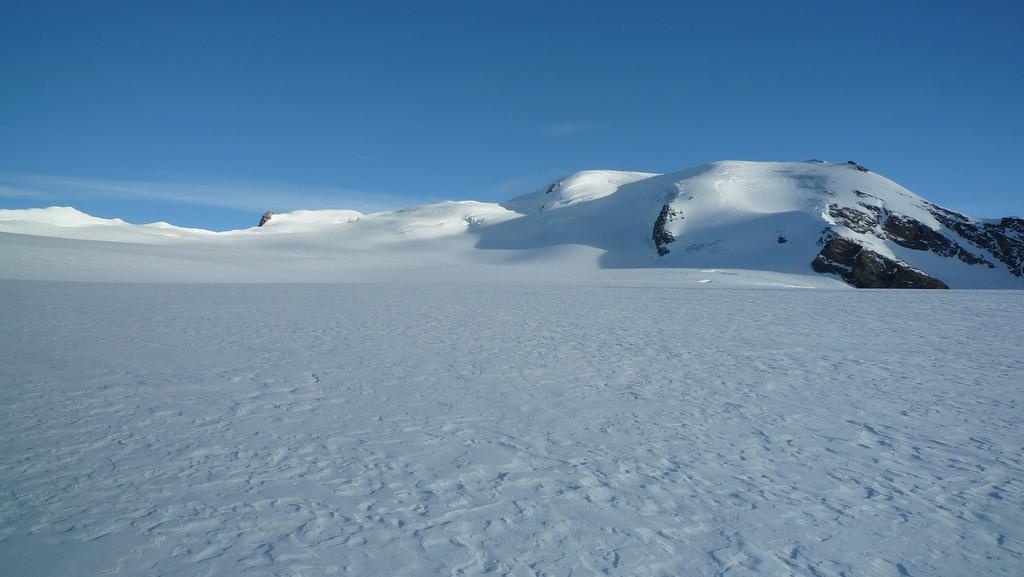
{"x":207,"y":113}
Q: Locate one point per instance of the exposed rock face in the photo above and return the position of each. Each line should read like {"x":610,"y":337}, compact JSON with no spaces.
{"x":662,"y":237}
{"x":1004,"y":240}
{"x":265,"y":218}
{"x":915,"y":235}
{"x":865,"y":268}
{"x":857,"y":166}
{"x":902,"y":230}
{"x":970,"y":240}
{"x":856,"y":220}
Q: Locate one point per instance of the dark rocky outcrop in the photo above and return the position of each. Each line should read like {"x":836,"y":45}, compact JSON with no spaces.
{"x":855,"y":220}
{"x":865,"y":268}
{"x":915,"y":235}
{"x":661,"y":236}
{"x":857,"y":166}
{"x":265,"y":218}
{"x":1003,"y":240}
{"x":902,"y":230}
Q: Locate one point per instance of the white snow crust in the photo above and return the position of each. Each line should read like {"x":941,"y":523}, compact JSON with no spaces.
{"x":522,"y":389}
{"x":617,"y":425}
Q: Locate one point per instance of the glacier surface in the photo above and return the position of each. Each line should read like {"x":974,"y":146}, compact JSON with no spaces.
{"x":620,"y":423}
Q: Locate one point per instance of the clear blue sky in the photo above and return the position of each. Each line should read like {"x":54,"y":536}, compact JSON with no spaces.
{"x":207,"y":113}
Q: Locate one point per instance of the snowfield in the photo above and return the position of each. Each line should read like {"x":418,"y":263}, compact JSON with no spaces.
{"x":624,"y":423}
{"x":622,"y":373}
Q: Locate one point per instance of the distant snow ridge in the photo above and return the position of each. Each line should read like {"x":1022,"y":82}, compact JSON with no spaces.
{"x":835,"y":219}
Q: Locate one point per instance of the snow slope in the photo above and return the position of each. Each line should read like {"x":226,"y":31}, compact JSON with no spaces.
{"x":66,"y":222}
{"x":853,"y":225}
{"x":432,"y":243}
{"x":732,"y":214}
{"x":612,"y":426}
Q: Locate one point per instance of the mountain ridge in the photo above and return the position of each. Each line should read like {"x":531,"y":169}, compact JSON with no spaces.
{"x":807,"y":217}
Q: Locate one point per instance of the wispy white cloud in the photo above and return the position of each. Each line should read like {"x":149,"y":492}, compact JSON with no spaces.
{"x":242,"y":196}
{"x":8,"y":191}
{"x":515,"y":186}
{"x":512,"y":187}
{"x":569,"y":128}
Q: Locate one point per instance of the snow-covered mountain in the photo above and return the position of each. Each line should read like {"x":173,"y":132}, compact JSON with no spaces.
{"x":839,"y":220}
{"x":833,"y":218}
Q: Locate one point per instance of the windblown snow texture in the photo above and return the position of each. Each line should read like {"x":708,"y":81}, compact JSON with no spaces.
{"x":620,"y":426}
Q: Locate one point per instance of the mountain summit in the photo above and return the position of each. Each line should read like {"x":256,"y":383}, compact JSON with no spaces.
{"x":833,"y":218}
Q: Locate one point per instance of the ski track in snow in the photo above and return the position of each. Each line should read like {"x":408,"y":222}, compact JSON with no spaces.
{"x":486,"y":429}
